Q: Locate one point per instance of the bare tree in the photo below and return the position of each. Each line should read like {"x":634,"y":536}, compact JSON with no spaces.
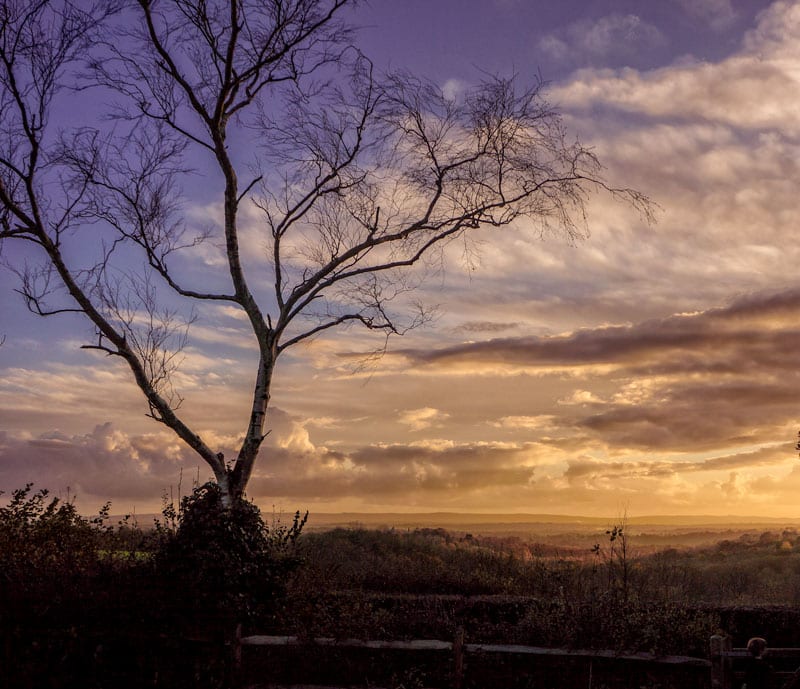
{"x":360,"y":180}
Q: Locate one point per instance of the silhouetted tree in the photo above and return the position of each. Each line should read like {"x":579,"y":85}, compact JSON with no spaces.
{"x":350,"y":179}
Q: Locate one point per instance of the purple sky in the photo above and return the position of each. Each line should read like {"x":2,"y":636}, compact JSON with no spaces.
{"x":647,"y":368}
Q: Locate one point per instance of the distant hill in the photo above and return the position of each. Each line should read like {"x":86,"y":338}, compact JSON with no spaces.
{"x":495,"y":522}
{"x":648,"y":533}
{"x":514,"y":521}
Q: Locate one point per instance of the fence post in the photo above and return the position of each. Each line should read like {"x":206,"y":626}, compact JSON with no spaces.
{"x":233,"y":657}
{"x":458,"y":659}
{"x":720,"y":662}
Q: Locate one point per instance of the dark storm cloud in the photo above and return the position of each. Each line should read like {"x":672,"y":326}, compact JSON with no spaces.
{"x":737,"y":332}
{"x":689,"y":416}
{"x":689,"y":382}
{"x":785,"y":302}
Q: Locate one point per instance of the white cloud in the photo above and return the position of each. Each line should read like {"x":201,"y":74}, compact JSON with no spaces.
{"x":739,"y":92}
{"x":580,"y":397}
{"x":611,"y":36}
{"x":453,"y":89}
{"x":555,"y":47}
{"x":758,"y":88}
{"x":288,"y":433}
{"x":105,"y":463}
{"x":775,"y":35}
{"x":420,"y":419}
{"x":538,"y":422}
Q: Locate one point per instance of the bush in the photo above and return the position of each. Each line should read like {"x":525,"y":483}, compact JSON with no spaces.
{"x":84,"y":603}
{"x":222,"y":565}
{"x":38,"y":532}
{"x":50,"y":562}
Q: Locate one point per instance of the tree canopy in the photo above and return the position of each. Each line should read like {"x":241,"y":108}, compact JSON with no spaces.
{"x":353,"y":181}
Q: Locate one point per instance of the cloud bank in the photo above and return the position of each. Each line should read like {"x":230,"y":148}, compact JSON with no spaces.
{"x":659,"y":412}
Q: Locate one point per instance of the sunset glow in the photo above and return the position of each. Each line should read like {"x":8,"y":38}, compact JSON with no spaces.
{"x":645,"y":368}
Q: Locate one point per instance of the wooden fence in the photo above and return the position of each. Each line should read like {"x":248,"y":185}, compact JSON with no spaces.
{"x":728,"y":663}
{"x":457,"y":664}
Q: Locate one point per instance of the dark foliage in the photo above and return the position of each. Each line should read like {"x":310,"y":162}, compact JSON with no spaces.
{"x":223,"y":564}
{"x":87,"y":604}
{"x":427,"y":583}
{"x":50,"y":559}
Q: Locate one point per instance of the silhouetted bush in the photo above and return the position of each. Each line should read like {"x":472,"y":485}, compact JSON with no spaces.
{"x":51,"y":561}
{"x":84,"y":603}
{"x":223,"y":563}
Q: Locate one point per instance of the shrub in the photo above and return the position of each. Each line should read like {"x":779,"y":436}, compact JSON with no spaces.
{"x":49,"y":563}
{"x":84,"y":603}
{"x":223,"y":565}
{"x":38,"y":532}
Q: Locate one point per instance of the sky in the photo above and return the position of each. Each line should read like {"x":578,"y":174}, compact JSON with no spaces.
{"x":644,"y":368}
